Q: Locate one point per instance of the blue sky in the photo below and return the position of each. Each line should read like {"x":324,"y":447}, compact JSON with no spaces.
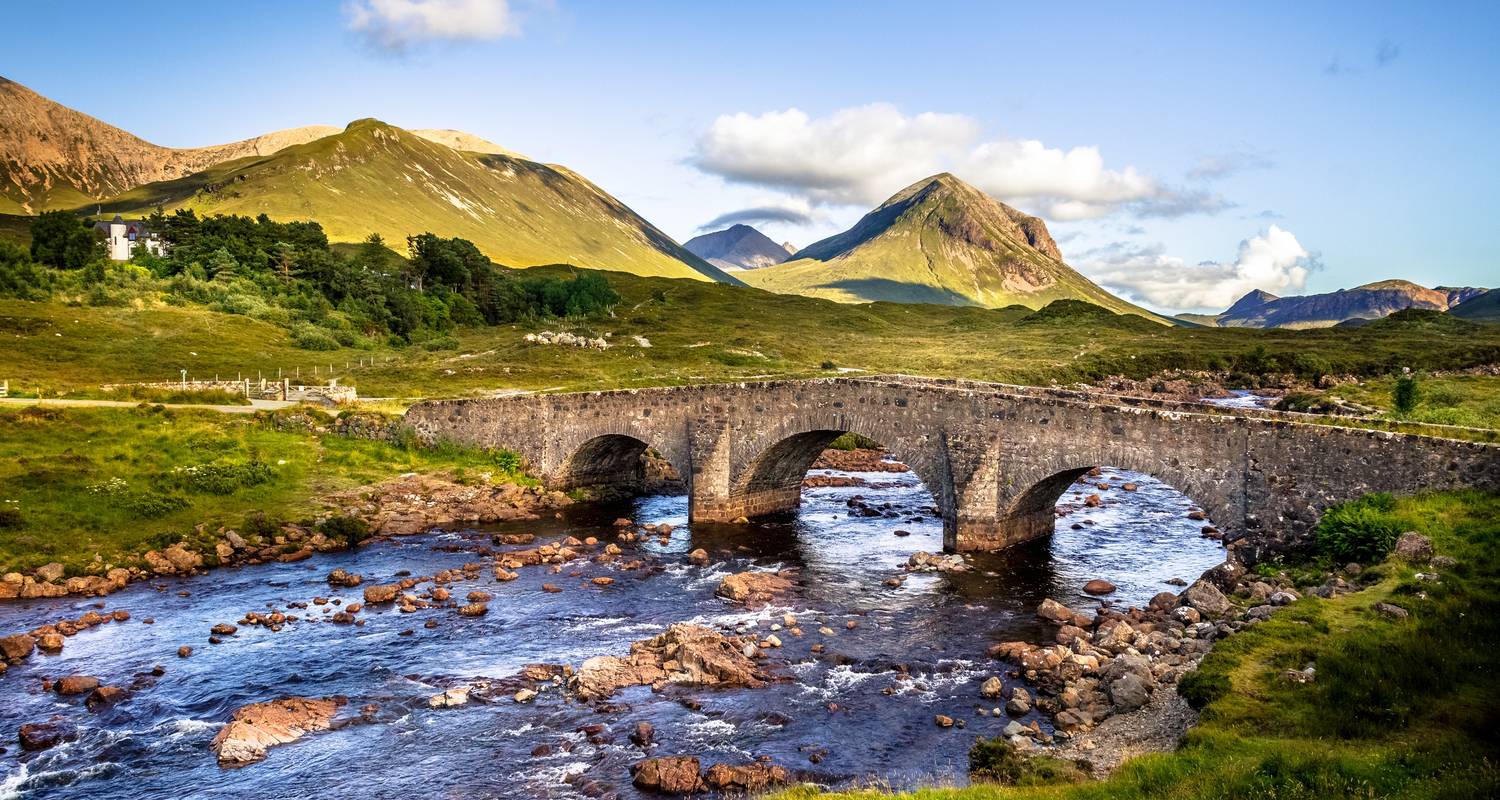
{"x":1182,"y":153}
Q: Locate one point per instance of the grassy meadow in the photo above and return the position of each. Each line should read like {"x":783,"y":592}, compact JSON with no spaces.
{"x":112,"y":483}
{"x":670,"y":332}
{"x":1398,"y":708}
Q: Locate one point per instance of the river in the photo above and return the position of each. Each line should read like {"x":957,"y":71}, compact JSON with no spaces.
{"x":848,"y":705}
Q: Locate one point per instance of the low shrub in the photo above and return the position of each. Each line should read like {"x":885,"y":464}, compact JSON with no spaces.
{"x":11,"y":519}
{"x":311,"y":337}
{"x":222,"y":479}
{"x":349,"y":530}
{"x":998,"y":761}
{"x":1203,"y":686}
{"x":1362,"y":530}
{"x":152,"y":505}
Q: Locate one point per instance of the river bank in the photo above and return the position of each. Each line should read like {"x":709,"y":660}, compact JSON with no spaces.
{"x":91,"y":499}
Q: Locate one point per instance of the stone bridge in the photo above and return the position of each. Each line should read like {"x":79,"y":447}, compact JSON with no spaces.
{"x":996,"y":458}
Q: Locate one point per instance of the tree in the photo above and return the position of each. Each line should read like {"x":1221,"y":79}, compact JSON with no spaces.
{"x":1404,"y":395}
{"x":60,"y":239}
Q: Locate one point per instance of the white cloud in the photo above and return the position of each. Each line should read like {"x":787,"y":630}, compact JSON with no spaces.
{"x":1273,"y":261}
{"x":862,"y":155}
{"x":396,"y":25}
{"x":857,"y":155}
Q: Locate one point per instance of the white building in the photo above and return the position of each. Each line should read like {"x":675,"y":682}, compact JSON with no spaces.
{"x":121,"y":237}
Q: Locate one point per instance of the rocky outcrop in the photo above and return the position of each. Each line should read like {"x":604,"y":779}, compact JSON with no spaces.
{"x":667,"y":775}
{"x":416,"y":503}
{"x":685,"y":655}
{"x":858,"y":460}
{"x":680,"y":775}
{"x":258,"y":727}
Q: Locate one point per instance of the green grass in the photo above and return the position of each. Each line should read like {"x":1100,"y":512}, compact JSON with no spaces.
{"x":116,"y":482}
{"x":703,"y":332}
{"x":1468,"y":400}
{"x":1399,"y":709}
{"x":57,"y":348}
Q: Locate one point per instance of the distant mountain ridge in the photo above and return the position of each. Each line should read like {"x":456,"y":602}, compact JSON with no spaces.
{"x":1259,"y":309}
{"x":939,"y":240}
{"x":738,"y":247}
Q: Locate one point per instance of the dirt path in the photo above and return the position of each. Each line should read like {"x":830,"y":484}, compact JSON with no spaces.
{"x":255,"y":405}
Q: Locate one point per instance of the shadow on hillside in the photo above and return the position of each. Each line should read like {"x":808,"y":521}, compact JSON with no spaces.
{"x":874,"y":289}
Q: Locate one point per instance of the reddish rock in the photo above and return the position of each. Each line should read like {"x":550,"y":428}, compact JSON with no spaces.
{"x":17,"y":647}
{"x":260,"y":726}
{"x":753,"y":587}
{"x":76,"y":684}
{"x":668,"y":775}
{"x":1099,"y":586}
{"x":746,"y":778}
{"x":42,"y":735}
{"x":103,"y":697}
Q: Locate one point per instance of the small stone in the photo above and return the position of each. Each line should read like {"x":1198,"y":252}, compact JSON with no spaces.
{"x":474,"y":610}
{"x":943,"y":720}
{"x":524,"y":695}
{"x":1098,"y":586}
{"x":184,"y":651}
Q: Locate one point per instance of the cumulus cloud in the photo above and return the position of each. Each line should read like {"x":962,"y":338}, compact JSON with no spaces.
{"x":397,"y":25}
{"x":857,"y":155}
{"x":1272,"y":261}
{"x":862,"y":155}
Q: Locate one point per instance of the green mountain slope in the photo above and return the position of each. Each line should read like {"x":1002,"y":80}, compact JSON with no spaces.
{"x":1484,"y":308}
{"x":376,"y":178}
{"x":943,"y":241}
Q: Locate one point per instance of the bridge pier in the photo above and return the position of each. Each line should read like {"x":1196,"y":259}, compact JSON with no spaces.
{"x":996,"y":533}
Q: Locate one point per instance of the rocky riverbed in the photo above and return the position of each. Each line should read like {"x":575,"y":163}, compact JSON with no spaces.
{"x":602,"y":650}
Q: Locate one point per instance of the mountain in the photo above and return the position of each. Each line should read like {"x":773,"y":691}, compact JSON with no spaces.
{"x":1372,"y":301}
{"x":368,"y":177}
{"x":376,"y":178}
{"x":54,"y":157}
{"x":939,"y":240}
{"x":738,"y":247}
{"x":1479,"y":308}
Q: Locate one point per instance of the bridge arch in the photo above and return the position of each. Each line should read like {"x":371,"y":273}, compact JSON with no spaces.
{"x":1029,"y":495}
{"x":768,"y":476}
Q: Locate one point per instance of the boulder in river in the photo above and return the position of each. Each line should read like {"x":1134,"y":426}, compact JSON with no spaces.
{"x":260,"y":726}
{"x":383,"y":593}
{"x":753,"y":778}
{"x":753,"y":587}
{"x":690,"y":655}
{"x":76,"y":684}
{"x":1099,"y":586}
{"x":342,"y":577}
{"x":17,"y":647}
{"x":42,"y":735}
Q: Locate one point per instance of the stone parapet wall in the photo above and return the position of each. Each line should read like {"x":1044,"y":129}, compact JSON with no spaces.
{"x":995,"y":457}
